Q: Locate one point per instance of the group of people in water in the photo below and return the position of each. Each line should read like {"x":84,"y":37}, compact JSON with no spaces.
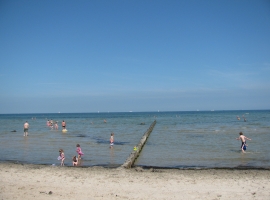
{"x":75,"y":159}
{"x":238,"y":118}
{"x":53,"y":125}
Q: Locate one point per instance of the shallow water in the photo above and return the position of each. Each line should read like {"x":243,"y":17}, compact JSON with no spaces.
{"x":179,"y":139}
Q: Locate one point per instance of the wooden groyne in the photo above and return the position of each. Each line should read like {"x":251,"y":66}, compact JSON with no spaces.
{"x":136,"y":152}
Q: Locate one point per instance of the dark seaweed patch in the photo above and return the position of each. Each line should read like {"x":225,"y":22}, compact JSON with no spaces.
{"x":82,"y":135}
{"x":102,"y":141}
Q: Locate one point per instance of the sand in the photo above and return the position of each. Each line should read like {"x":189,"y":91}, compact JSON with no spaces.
{"x":19,"y":181}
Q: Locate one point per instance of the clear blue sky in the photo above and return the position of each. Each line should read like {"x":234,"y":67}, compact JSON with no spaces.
{"x":134,"y":55}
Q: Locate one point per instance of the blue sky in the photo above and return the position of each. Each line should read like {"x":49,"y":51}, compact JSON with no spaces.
{"x":127,"y":55}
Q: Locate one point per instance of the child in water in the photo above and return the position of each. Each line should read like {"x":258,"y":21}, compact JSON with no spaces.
{"x":74,"y":161}
{"x":56,"y":126}
{"x":79,"y":151}
{"x":111,"y":139}
{"x":61,"y":156}
{"x":243,"y":140}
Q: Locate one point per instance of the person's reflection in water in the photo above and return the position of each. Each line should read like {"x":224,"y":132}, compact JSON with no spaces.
{"x":26,"y":149}
{"x":112,"y":156}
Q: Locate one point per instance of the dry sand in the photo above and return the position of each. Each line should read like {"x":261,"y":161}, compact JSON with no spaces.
{"x":28,"y":182}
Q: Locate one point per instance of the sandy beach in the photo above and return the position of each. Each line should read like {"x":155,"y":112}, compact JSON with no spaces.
{"x":18,"y":181}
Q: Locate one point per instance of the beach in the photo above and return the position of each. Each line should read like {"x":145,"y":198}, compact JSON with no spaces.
{"x":27,"y":181}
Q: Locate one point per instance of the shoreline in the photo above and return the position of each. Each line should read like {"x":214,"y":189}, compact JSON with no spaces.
{"x":145,"y":167}
{"x":31,"y":181}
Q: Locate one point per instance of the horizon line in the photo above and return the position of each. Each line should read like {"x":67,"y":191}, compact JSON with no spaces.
{"x":102,"y":112}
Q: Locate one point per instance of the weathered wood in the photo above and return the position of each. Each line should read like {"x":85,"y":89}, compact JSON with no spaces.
{"x":133,"y":156}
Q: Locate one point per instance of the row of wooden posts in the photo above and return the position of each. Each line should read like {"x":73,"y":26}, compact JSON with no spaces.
{"x":138,"y":148}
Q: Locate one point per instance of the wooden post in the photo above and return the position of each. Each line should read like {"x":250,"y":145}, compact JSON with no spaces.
{"x":132,"y":157}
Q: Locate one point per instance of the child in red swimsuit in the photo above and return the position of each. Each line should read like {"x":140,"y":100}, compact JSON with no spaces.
{"x":79,"y":151}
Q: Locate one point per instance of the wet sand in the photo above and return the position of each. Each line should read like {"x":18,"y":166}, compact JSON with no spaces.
{"x":19,"y":181}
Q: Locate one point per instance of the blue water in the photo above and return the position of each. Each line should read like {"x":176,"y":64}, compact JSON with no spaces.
{"x":179,"y":139}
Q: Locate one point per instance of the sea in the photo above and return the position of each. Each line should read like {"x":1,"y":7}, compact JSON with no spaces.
{"x":184,"y":139}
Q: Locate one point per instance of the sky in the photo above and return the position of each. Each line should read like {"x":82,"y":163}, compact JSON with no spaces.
{"x":134,"y":55}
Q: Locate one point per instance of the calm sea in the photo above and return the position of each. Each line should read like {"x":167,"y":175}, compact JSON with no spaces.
{"x":198,"y":139}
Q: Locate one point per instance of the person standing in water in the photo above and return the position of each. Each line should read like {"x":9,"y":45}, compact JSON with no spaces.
{"x":79,"y":151}
{"x":25,"y":128}
{"x":63,"y":125}
{"x":243,"y":140}
{"x":61,"y":156}
{"x":111,"y":140}
{"x":74,"y":161}
{"x":56,"y":126}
